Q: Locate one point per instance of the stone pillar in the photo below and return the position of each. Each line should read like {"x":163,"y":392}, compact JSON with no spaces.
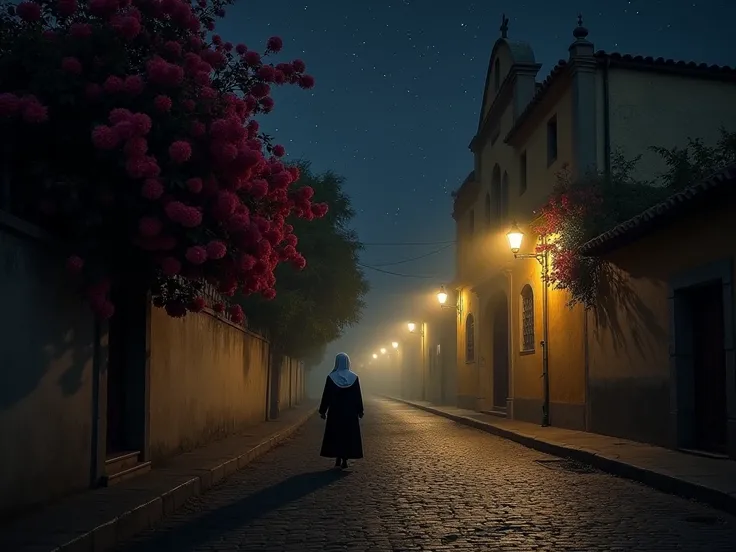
{"x":584,"y":114}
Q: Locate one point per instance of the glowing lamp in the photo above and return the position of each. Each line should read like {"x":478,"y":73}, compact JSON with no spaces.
{"x":442,"y":295}
{"x":412,"y":326}
{"x":515,"y":237}
{"x":395,"y":344}
{"x":383,"y":350}
{"x":375,"y":355}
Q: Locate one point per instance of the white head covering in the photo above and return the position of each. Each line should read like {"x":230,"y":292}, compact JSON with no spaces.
{"x":341,"y":373}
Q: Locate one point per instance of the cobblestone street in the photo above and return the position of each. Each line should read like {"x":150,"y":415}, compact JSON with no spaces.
{"x":429,"y":484}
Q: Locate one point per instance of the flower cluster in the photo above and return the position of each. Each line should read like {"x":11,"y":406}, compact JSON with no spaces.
{"x":159,"y":167}
{"x":564,"y":226}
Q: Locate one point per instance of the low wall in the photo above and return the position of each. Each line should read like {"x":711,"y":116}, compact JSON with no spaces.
{"x":208,"y":379}
{"x":47,"y":336}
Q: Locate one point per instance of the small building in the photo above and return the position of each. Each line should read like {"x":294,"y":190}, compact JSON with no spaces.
{"x":661,"y":363}
{"x":590,"y":106}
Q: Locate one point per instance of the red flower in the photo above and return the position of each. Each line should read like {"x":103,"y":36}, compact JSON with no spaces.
{"x":28,"y":11}
{"x":34,"y":112}
{"x":219,"y":308}
{"x":198,"y":304}
{"x":216,"y":250}
{"x":105,"y":138}
{"x":150,"y":227}
{"x":66,"y":8}
{"x":252,"y":58}
{"x":152,"y":189}
{"x":74,"y":264}
{"x":180,"y":151}
{"x":274,"y":44}
{"x":196,"y":255}
{"x":194,"y":185}
{"x":133,"y":85}
{"x":278,"y":150}
{"x":306,"y":81}
{"x":170,"y":266}
{"x":113,"y":85}
{"x":71,"y":65}
{"x":299,"y":66}
{"x":162,"y":103}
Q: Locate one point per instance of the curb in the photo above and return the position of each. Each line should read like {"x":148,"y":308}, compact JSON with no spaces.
{"x":659,"y":481}
{"x":107,"y":535}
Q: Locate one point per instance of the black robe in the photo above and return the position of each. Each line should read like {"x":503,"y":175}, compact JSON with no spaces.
{"x":344,"y":408}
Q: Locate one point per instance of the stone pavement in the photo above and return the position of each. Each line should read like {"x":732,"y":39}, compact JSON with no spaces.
{"x":96,"y":520}
{"x":429,"y":484}
{"x":710,"y":480}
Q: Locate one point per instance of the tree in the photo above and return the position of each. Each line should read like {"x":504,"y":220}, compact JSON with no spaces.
{"x":133,"y":140}
{"x":579,"y":210}
{"x":313,"y":306}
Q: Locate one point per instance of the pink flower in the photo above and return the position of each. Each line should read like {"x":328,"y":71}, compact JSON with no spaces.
{"x":170,"y":266}
{"x":142,"y":123}
{"x":9,"y":104}
{"x":66,"y":7}
{"x":306,"y":82}
{"x":260,"y":90}
{"x":92,"y":91}
{"x":252,"y":58}
{"x":173,"y":48}
{"x":180,"y":151}
{"x":274,"y":44}
{"x":278,"y":150}
{"x":74,"y":264}
{"x":188,"y":105}
{"x":80,"y":30}
{"x":129,"y":27}
{"x":133,"y":85}
{"x":152,"y":189}
{"x":268,"y":294}
{"x":150,"y":227}
{"x":194,"y":185}
{"x":298,"y":65}
{"x":241,"y":49}
{"x":28,"y":11}
{"x":216,"y":249}
{"x":267,"y":73}
{"x":266,"y":104}
{"x":34,"y":112}
{"x":299,"y":262}
{"x":218,"y":308}
{"x":196,"y":255}
{"x":119,"y":114}
{"x":190,"y":218}
{"x":197,"y":129}
{"x":105,"y":138}
{"x":162,"y":103}
{"x":136,"y":146}
{"x":198,"y":304}
{"x":124,"y":129}
{"x":113,"y":85}
{"x":236,"y":314}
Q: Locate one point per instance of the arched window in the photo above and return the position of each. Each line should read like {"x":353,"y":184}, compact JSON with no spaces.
{"x":497,"y":75}
{"x":488,"y":209}
{"x":527,"y":318}
{"x":469,"y":338}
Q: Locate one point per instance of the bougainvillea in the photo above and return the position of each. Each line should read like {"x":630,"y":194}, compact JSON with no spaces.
{"x":129,"y":132}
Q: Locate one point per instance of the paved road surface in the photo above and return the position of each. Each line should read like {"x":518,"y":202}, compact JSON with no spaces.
{"x":429,"y":484}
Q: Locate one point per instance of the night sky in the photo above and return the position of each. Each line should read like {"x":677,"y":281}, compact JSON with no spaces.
{"x":399,"y":85}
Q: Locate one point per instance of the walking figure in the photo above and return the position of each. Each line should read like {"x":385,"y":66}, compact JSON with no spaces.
{"x":342,"y":405}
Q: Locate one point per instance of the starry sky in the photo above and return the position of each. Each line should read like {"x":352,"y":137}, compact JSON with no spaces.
{"x":399,"y":86}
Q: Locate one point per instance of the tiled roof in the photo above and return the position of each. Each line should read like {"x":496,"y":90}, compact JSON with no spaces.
{"x":677,"y":204}
{"x":615,"y":59}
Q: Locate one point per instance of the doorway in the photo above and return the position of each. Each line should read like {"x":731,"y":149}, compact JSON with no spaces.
{"x":710,"y":415}
{"x":500,"y":353}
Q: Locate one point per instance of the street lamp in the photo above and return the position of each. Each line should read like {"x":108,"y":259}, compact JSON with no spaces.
{"x":383,"y":350}
{"x":395,"y":344}
{"x":412,"y":326}
{"x":442,"y":299}
{"x":375,"y":356}
{"x":516,"y":237}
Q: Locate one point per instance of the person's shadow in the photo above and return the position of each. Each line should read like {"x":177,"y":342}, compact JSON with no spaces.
{"x":217,"y":523}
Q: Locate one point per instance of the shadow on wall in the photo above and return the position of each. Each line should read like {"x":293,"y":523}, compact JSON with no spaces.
{"x":616,"y":297}
{"x":217,"y":523}
{"x":48,"y":349}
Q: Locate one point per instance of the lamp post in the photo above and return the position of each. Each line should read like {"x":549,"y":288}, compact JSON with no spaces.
{"x":442,"y":300}
{"x":413,"y":329}
{"x":516,"y":237}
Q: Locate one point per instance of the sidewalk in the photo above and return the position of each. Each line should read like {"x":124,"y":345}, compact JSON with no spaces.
{"x":708,"y":480}
{"x":96,"y":520}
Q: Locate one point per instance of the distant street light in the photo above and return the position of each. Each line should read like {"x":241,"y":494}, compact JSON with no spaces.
{"x":395,"y":344}
{"x":383,"y":350}
{"x":375,"y":355}
{"x":442,"y":299}
{"x":412,"y":326}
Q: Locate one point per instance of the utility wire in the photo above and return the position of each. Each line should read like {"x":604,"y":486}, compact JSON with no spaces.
{"x":395,"y":273}
{"x":371,"y":244}
{"x":415,"y":258}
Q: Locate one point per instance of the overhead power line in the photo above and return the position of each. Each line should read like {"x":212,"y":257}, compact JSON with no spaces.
{"x":415,"y":258}
{"x":388,"y":244}
{"x":396,"y":273}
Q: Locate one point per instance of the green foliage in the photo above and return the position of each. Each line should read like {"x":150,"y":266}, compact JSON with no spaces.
{"x":313,"y":306}
{"x":581,"y":209}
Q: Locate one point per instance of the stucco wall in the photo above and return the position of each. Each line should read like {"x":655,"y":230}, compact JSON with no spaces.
{"x":208,"y":379}
{"x":629,"y":332}
{"x":290,"y":387}
{"x":653,"y":109}
{"x":48,"y":343}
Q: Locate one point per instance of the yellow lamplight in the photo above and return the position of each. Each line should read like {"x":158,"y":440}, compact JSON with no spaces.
{"x":375,"y":355}
{"x":442,"y":295}
{"x":395,"y":344}
{"x":383,"y":350}
{"x":412,"y":326}
{"x":515,"y":237}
